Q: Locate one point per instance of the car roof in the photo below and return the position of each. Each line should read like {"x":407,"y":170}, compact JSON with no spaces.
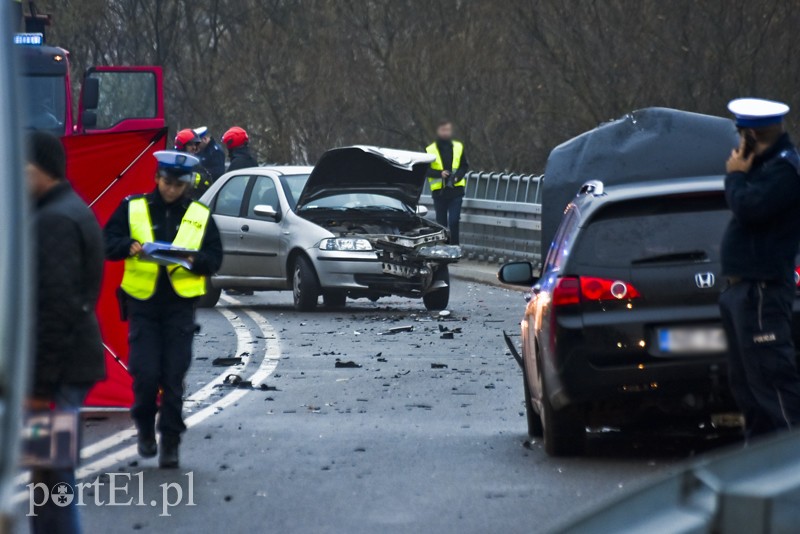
{"x":287,"y":170}
{"x":590,"y":202}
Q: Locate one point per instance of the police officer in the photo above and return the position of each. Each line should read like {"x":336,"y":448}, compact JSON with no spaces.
{"x":160,"y":300}
{"x":188,"y":141}
{"x":446,"y":178}
{"x":210,"y":153}
{"x":762,"y":187}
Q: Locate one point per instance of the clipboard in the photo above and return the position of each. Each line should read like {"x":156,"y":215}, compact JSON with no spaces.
{"x":166,"y":254}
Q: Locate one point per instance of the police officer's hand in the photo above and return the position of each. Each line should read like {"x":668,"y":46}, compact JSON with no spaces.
{"x":737,"y":162}
{"x":445,"y":174}
{"x":136,"y":249}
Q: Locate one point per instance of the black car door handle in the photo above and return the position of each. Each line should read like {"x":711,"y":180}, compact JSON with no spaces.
{"x":245,"y":228}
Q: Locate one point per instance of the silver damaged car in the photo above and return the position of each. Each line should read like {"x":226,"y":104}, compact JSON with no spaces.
{"x":349,"y":227}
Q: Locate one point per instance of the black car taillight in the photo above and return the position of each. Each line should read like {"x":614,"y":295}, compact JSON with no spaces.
{"x":593,"y":288}
{"x":567,"y":291}
{"x":574,"y":290}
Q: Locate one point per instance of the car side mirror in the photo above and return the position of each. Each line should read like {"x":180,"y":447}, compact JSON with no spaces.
{"x":518,"y":273}
{"x":90,"y":97}
{"x":422,"y":211}
{"x":266,"y":211}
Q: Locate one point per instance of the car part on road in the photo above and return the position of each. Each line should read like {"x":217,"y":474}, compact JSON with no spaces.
{"x":226,"y":361}
{"x":305,"y":285}
{"x":346,"y":365}
{"x":397,"y":330}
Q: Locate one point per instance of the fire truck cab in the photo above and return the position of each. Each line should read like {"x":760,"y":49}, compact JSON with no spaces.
{"x":112,"y":99}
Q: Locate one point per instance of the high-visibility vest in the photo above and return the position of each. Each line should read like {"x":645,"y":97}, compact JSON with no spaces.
{"x":437,"y":165}
{"x":141,"y":276}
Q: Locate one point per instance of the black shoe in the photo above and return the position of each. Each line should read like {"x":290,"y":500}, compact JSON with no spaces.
{"x":168,"y":459}
{"x":147,"y":444}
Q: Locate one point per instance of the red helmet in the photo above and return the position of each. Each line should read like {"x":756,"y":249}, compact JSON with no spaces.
{"x":185,"y":137}
{"x":235,"y":137}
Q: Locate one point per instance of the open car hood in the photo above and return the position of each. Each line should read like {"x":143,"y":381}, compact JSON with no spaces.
{"x":399,"y":174}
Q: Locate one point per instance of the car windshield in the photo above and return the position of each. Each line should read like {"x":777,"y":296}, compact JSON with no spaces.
{"x":46,"y":103}
{"x":364,"y":201}
{"x":293,"y":185}
{"x":658,"y":231}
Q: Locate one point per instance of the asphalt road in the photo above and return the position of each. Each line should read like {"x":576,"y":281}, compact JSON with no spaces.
{"x":424,"y":435}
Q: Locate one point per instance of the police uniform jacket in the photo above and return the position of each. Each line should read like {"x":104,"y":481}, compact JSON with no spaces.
{"x":166,"y":219}
{"x":762,"y":239}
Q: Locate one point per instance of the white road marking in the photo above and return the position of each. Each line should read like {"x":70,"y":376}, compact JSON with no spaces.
{"x":244,"y":345}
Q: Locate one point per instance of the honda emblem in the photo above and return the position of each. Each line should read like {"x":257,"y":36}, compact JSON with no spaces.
{"x":704,"y":280}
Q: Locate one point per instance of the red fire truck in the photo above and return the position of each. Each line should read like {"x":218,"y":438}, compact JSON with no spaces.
{"x":109,"y":135}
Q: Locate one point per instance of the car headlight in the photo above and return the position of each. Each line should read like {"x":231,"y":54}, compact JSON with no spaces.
{"x":346,"y":243}
{"x":449,"y":252}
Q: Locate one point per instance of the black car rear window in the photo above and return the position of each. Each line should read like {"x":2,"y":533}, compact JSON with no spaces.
{"x":658,"y":230}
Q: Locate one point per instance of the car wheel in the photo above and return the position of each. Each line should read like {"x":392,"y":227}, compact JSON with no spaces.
{"x":334,"y":299}
{"x":439,"y":298}
{"x":535,"y":428}
{"x":305,"y":286}
{"x":210,"y":299}
{"x":564,"y":430}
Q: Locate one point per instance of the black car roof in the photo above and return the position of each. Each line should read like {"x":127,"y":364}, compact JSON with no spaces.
{"x":589,"y":203}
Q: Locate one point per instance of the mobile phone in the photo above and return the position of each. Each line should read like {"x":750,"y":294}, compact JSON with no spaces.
{"x":749,"y":143}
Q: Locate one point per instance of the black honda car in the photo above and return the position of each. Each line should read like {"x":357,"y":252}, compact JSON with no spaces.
{"x":623,"y":322}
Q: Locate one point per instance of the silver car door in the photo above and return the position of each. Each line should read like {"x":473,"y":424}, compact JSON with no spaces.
{"x":227,"y":210}
{"x":261,"y":235}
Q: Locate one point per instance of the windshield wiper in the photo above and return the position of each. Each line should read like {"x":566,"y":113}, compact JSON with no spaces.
{"x":689,"y":255}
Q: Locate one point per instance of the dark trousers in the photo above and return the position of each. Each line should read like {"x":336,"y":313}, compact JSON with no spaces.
{"x":448,"y":212}
{"x":51,"y":518}
{"x":161,"y":335}
{"x":757,"y":317}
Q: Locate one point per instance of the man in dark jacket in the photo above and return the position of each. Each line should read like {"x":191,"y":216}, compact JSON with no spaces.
{"x":238,"y":143}
{"x":446,"y":178}
{"x":758,"y":253}
{"x":69,"y":355}
{"x":161,"y":297}
{"x":210,"y":153}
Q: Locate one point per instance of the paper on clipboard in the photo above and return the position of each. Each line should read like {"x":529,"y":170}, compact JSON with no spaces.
{"x":166,"y":254}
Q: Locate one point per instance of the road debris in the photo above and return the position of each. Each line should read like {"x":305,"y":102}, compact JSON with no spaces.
{"x":226,"y":361}
{"x":397,"y":330}
{"x":346,"y":365}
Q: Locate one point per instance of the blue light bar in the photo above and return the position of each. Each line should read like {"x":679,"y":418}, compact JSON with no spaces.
{"x":29,"y":39}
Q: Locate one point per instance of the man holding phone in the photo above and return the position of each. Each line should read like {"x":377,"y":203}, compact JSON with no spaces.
{"x":759,"y":249}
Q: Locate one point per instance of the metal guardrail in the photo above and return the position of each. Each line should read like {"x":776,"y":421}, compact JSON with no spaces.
{"x":501,"y":216}
{"x":755,"y":490}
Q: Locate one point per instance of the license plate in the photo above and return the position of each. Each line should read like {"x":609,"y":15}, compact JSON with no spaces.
{"x":692,"y":340}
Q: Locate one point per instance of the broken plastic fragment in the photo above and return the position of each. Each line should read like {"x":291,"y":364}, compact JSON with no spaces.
{"x":226,"y":362}
{"x":397,"y":330}
{"x":346,"y":365}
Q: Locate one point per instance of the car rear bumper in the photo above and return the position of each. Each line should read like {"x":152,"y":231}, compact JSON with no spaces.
{"x":578,"y":382}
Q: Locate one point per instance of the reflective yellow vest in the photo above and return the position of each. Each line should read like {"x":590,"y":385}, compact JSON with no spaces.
{"x":437,"y":165}
{"x":141,"y":277}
